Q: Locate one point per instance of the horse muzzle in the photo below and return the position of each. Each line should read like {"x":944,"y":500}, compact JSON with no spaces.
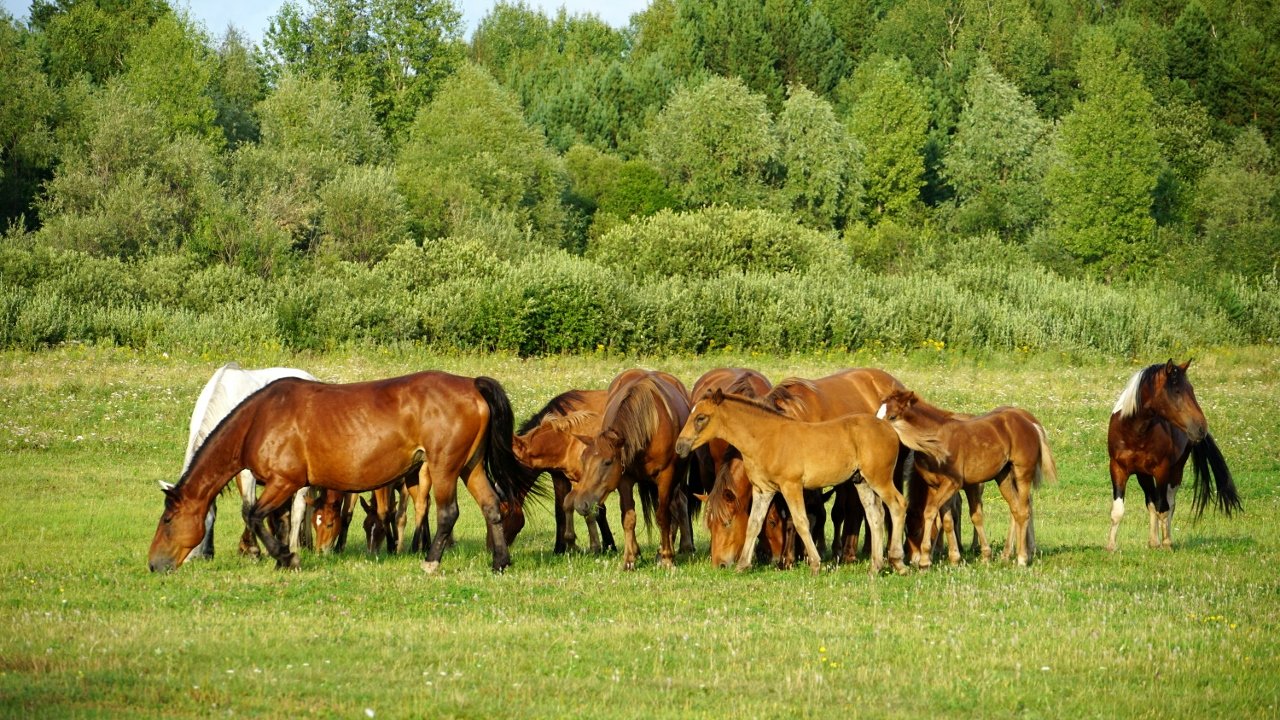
{"x":162,"y":564}
{"x":684,"y":446}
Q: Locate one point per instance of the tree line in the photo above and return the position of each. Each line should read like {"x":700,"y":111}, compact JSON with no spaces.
{"x":1105,"y":146}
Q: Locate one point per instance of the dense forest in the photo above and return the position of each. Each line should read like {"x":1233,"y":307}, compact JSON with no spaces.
{"x":773,"y":175}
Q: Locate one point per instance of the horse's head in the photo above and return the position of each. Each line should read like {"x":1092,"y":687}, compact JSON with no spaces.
{"x":897,"y":405}
{"x":727,"y":512}
{"x":602,"y":468}
{"x":375,"y":527}
{"x":181,"y":528}
{"x":700,"y":425}
{"x":329,"y":518}
{"x":1171,"y":397}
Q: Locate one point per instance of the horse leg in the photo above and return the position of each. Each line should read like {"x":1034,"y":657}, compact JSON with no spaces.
{"x":566,"y":537}
{"x":607,"y":542}
{"x":1152,"y":493}
{"x":883,"y":486}
{"x":794,"y":495}
{"x":273,"y":497}
{"x":1119,"y":478}
{"x":666,"y":551}
{"x":248,"y":496}
{"x":951,"y":530}
{"x":485,"y":496}
{"x":874,"y":518}
{"x":1015,"y":486}
{"x":685,"y":518}
{"x":627,"y":502}
{"x":421,"y":494}
{"x":1166,"y":539}
{"x":855,"y":518}
{"x":760,"y":501}
{"x":979,"y":544}
{"x":297,"y":519}
{"x":446,"y":497}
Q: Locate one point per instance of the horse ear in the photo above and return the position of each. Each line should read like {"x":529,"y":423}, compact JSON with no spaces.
{"x":166,"y":487}
{"x":1185,"y":365}
{"x":585,"y":439}
{"x":1169,"y":365}
{"x":702,"y":497}
{"x":612,"y":437}
{"x":717,"y":396}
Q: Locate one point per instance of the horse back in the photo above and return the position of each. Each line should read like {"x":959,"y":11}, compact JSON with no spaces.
{"x":857,"y":390}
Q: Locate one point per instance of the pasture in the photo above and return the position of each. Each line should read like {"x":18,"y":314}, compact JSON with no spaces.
{"x":87,"y":631}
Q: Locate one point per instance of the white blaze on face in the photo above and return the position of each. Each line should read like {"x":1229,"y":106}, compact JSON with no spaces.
{"x":884,"y":410}
{"x":1117,"y":509}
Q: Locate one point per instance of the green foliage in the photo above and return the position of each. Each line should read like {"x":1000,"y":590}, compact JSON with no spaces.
{"x":170,"y":67}
{"x":822,"y":164}
{"x":311,"y":115}
{"x":1238,"y":208}
{"x":238,"y":85}
{"x":889,"y":117}
{"x":92,"y":37}
{"x":363,"y":215}
{"x":471,"y":148}
{"x":26,"y":115}
{"x":713,"y":241}
{"x":1104,"y":171}
{"x":714,"y":143}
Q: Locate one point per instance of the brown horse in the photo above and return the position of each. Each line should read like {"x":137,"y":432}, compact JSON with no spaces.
{"x":636,"y":446}
{"x":1156,"y":425}
{"x":331,"y":513}
{"x":728,"y":505}
{"x":1004,"y":444}
{"x":353,"y":438}
{"x":785,"y":455}
{"x":548,"y":442}
{"x":856,"y":390}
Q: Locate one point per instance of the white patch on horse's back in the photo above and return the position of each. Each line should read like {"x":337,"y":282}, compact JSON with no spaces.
{"x":1127,"y":403}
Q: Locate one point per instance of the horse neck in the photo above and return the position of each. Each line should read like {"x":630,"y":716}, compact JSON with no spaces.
{"x":218,"y":459}
{"x":739,"y":424}
{"x":634,"y":419}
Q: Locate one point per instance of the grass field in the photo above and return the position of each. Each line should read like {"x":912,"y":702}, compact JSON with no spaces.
{"x":87,"y":631}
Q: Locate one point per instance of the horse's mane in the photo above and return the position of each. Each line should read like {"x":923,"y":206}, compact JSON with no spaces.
{"x":572,"y":421}
{"x":1131,"y":396}
{"x":760,"y":404}
{"x":784,"y":394}
{"x":561,"y":404}
{"x":742,"y":386}
{"x":634,"y":417}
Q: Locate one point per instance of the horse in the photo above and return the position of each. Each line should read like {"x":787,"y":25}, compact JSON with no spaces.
{"x":728,"y":504}
{"x":1005,"y":444}
{"x":636,"y":446}
{"x":331,"y":513}
{"x":352,"y":438}
{"x":854,"y":390}
{"x":548,"y":441}
{"x":785,"y":455}
{"x":1156,"y":425}
{"x":229,"y":385}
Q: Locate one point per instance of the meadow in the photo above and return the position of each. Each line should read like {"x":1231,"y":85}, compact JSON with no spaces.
{"x":87,"y":631}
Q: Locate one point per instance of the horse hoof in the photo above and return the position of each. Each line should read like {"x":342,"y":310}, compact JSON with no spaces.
{"x":288,"y":562}
{"x":666,"y":563}
{"x":629,"y":566}
{"x":901,"y":569}
{"x":430,"y":567}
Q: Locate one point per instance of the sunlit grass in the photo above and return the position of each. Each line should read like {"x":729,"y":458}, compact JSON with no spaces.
{"x":86,"y":630}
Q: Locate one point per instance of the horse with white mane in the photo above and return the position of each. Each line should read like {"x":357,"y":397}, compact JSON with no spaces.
{"x":228,"y":387}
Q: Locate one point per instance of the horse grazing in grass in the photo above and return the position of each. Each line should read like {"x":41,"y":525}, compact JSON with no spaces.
{"x":331,"y":513}
{"x":1007,"y":445}
{"x":1156,"y":425}
{"x":228,"y":387}
{"x":790,"y":456}
{"x":548,"y":441}
{"x":636,"y":446}
{"x":353,"y":438}
{"x":728,"y":504}
{"x":856,"y":390}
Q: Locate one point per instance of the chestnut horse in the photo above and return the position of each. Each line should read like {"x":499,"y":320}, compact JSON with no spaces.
{"x":785,"y":455}
{"x":353,"y":438}
{"x":229,"y":385}
{"x":636,"y":446}
{"x":728,"y":504}
{"x":548,"y":442}
{"x":951,"y":452}
{"x":856,"y":390}
{"x":1156,"y":425}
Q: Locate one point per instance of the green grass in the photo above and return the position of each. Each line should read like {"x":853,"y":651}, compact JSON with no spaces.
{"x":87,"y":631}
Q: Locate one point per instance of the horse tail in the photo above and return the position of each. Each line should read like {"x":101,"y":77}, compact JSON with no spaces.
{"x":1047,"y":467}
{"x":512,"y":480}
{"x":1208,"y":462}
{"x":648,"y":500}
{"x":693,"y":484}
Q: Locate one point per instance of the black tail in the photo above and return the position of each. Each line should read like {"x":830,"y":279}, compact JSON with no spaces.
{"x":693,"y":482}
{"x":648,"y":492}
{"x":512,"y":480}
{"x":1209,"y":463}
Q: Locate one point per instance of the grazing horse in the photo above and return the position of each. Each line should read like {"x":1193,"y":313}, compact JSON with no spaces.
{"x":855,"y":390}
{"x":331,"y":513}
{"x":353,"y":438}
{"x":1002,"y":445}
{"x":790,"y":456}
{"x":1156,"y":425}
{"x":636,"y":446}
{"x":548,"y":442}
{"x":728,"y":505}
{"x":230,"y":385}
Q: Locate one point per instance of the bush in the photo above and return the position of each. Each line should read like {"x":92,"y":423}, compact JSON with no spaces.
{"x":362,"y":215}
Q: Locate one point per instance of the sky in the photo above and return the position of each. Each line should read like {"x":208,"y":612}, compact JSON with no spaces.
{"x":251,"y":16}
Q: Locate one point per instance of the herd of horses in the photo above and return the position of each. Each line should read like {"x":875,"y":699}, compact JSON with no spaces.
{"x":759,"y":460}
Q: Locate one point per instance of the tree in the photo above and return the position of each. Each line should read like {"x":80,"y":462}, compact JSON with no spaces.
{"x":994,"y":160}
{"x":889,"y":118}
{"x":713,"y":143}
{"x":170,"y":68}
{"x":239,"y":84}
{"x":91,"y":37}
{"x":1238,"y":207}
{"x":311,"y":114}
{"x":26,"y":119}
{"x":1106,"y":164}
{"x":471,"y":151}
{"x":821,"y":163}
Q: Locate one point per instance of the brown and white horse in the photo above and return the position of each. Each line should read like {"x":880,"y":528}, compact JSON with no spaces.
{"x":353,"y":438}
{"x":1156,"y":425}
